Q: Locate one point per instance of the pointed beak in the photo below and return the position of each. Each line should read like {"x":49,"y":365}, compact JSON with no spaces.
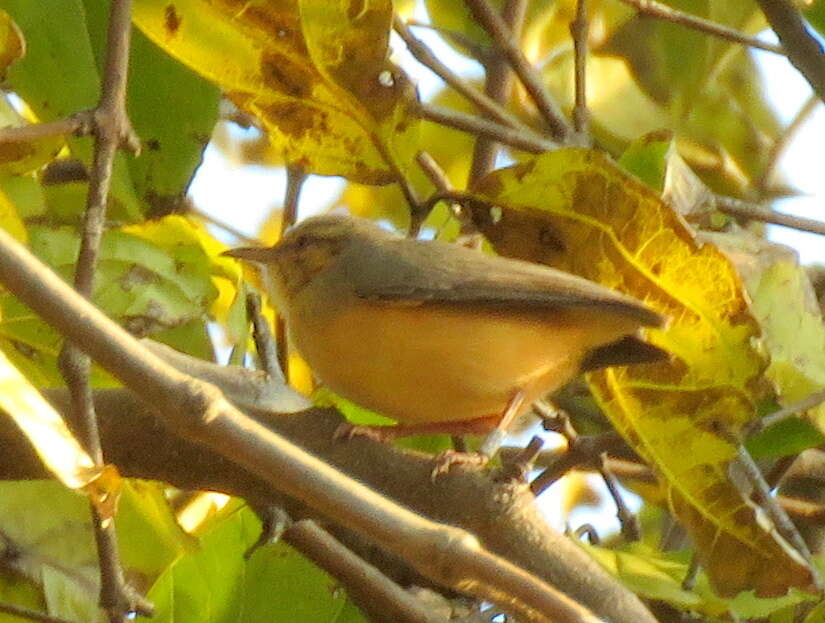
{"x":262,"y":255}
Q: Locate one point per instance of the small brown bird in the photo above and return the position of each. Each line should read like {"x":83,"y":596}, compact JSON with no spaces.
{"x":439,"y":337}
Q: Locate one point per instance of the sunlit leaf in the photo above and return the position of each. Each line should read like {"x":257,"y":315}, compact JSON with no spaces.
{"x":659,"y":576}
{"x":575,"y":210}
{"x":20,"y":157}
{"x":12,"y":42}
{"x":45,"y":429}
{"x":784,"y":302}
{"x":10,"y":220}
{"x":316,"y":75}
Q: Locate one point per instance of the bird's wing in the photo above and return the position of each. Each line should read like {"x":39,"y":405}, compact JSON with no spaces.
{"x":419,"y":273}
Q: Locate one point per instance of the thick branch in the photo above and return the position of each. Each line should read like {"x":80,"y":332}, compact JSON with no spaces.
{"x":502,"y":515}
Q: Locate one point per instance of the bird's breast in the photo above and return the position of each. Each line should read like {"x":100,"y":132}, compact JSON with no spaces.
{"x":433,"y":363}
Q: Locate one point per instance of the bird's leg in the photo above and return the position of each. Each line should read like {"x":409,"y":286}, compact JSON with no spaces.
{"x":384,"y":434}
{"x":495,"y":437}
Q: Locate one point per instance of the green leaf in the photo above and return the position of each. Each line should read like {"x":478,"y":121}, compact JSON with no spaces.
{"x":215,"y":584}
{"x":150,"y":536}
{"x":784,"y":438}
{"x":59,"y":77}
{"x":646,"y":158}
{"x":172,"y":140}
{"x":784,"y":303}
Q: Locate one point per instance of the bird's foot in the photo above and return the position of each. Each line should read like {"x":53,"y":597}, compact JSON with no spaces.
{"x":444,"y":461}
{"x":381,"y":434}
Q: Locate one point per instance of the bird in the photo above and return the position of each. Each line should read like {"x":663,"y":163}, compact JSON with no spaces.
{"x":439,"y":337}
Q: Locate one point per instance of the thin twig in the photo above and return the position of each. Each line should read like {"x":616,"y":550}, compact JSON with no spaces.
{"x":651,"y":8}
{"x":493,"y":23}
{"x":498,"y":84}
{"x":778,"y":516}
{"x":79,"y":124}
{"x":629,"y":523}
{"x":734,"y":207}
{"x":476,"y":50}
{"x":802,"y":48}
{"x":112,"y":130}
{"x":809,"y":402}
{"x":372,"y":591}
{"x":295,"y":178}
{"x":485,"y":104}
{"x":589,"y":531}
{"x":230,"y":229}
{"x":439,"y":179}
{"x":199,"y":412}
{"x":28,"y":613}
{"x":517,"y":467}
{"x":580,"y":31}
{"x":262,"y":334}
{"x":580,"y":450}
{"x":689,"y":581}
{"x":784,"y":140}
{"x":803,"y":509}
{"x":433,"y":171}
{"x":483,"y":127}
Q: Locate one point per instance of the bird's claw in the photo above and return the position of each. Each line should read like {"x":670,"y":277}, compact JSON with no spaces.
{"x":444,"y":461}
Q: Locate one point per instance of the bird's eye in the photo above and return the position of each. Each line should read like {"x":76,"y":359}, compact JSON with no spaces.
{"x":301,"y":243}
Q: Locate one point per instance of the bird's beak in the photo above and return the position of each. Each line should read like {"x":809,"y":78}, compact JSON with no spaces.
{"x":262,"y":255}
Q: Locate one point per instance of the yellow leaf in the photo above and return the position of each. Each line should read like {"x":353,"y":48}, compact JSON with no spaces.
{"x":575,"y":210}
{"x":316,"y":74}
{"x":12,"y":43}
{"x":10,"y":220}
{"x":785,"y":304}
{"x":21,"y":157}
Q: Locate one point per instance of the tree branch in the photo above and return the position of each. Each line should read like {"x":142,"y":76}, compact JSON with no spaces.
{"x":580,"y":30}
{"x":111,"y":129}
{"x":482,"y":127}
{"x":498,"y":84}
{"x":734,"y":207}
{"x":371,"y":590}
{"x":493,"y":23}
{"x":492,"y":108}
{"x":804,"y":51}
{"x":651,"y":8}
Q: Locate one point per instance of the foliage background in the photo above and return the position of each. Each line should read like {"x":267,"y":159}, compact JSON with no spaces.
{"x":161,"y":275}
